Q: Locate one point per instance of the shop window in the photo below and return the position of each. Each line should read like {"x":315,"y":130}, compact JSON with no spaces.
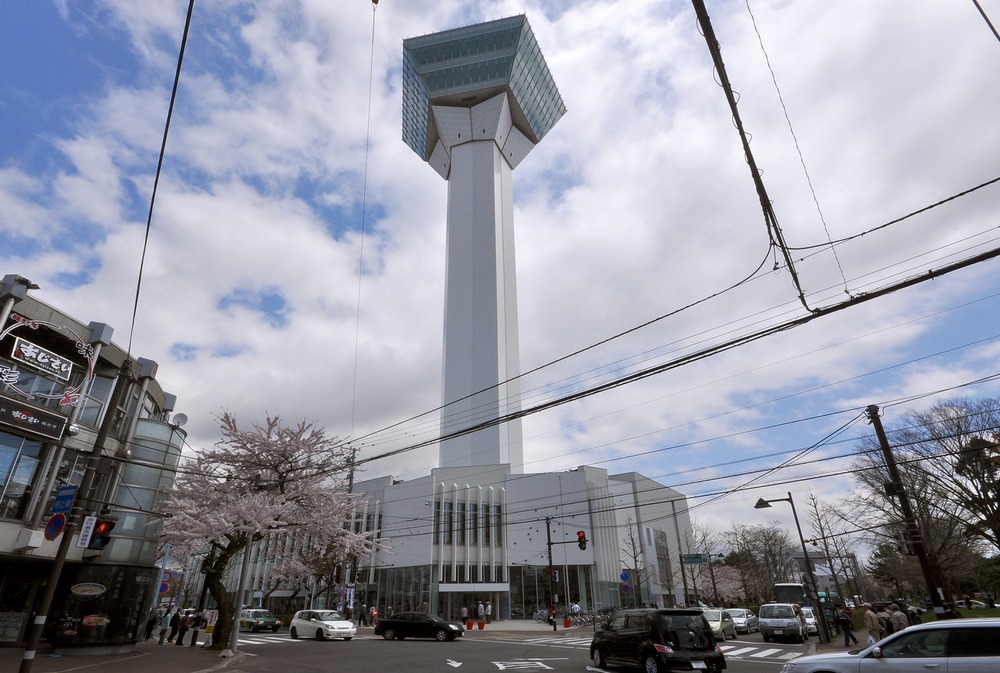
{"x":19,"y":461}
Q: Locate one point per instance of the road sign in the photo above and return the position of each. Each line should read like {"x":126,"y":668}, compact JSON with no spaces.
{"x":86,"y":531}
{"x":166,"y":576}
{"x":55,"y":526}
{"x":164,"y":587}
{"x":626,"y":588}
{"x":623,"y":577}
{"x":64,"y":499}
{"x":692,"y":559}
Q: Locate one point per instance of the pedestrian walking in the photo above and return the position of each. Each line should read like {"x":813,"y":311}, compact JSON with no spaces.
{"x":151,"y":620}
{"x":175,"y":625}
{"x":481,"y":612}
{"x":899,"y":619}
{"x":465,"y":613}
{"x":871,"y":624}
{"x":846,"y":621}
{"x":489,"y":612}
{"x":182,"y":628}
{"x":164,"y":625}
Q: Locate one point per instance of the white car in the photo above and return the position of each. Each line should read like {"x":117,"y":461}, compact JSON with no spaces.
{"x":321,"y":624}
{"x":952,"y":645}
{"x":811,"y":624}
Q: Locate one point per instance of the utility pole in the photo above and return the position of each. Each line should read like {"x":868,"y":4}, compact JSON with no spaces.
{"x":552,"y":606}
{"x":895,"y":488}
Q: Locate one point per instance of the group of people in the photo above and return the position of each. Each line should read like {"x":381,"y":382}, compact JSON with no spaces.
{"x":484,"y":613}
{"x":880,"y":621}
{"x":367,"y":615}
{"x":174,"y":624}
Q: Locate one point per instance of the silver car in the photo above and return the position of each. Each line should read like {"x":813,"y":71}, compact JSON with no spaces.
{"x":321,"y":624}
{"x":783,"y":621}
{"x":745,"y":620}
{"x":952,"y":645}
{"x":811,"y":624}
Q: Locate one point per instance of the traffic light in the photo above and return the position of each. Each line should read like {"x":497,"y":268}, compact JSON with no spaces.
{"x":101,"y":536}
{"x":555,"y":575}
{"x":581,"y":539}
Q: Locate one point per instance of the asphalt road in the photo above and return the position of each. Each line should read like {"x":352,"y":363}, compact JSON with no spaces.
{"x":473,"y":653}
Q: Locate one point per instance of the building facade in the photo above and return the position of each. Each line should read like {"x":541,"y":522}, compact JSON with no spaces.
{"x":57,"y":377}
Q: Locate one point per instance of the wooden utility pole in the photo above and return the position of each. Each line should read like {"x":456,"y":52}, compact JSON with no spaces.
{"x":913,"y":535}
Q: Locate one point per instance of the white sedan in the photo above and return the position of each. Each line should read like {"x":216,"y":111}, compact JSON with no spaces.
{"x":321,"y":624}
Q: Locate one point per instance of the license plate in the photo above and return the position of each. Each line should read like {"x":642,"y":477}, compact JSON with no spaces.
{"x":778,"y":632}
{"x":698,"y":664}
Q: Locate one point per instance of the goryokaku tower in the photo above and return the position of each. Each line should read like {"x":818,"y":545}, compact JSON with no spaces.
{"x":476,"y":100}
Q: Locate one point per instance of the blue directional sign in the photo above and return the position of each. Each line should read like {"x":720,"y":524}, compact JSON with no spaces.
{"x":64,"y":500}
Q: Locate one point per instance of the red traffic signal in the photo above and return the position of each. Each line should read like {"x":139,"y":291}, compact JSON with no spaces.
{"x":581,"y":539}
{"x":101,"y":536}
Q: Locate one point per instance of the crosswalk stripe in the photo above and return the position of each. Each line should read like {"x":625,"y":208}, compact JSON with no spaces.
{"x":730,"y":651}
{"x":765,"y":653}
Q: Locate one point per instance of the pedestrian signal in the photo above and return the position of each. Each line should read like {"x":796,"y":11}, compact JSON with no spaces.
{"x":581,"y":539}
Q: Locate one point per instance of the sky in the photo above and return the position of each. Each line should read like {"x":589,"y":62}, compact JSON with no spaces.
{"x":295,"y":258}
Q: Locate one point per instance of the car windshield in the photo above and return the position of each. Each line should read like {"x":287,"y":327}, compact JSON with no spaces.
{"x":259,"y":614}
{"x":329,"y":616}
{"x":686,"y":632}
{"x":807,"y":612}
{"x":770,"y":611}
{"x":713,"y":615}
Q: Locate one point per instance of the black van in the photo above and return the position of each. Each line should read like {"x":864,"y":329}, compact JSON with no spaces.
{"x":657,"y":640}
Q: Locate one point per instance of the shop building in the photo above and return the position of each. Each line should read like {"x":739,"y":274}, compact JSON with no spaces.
{"x":57,"y":377}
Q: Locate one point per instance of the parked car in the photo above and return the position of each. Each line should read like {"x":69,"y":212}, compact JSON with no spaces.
{"x":745,"y":620}
{"x":258,"y":620}
{"x":812,"y":626}
{"x":782,"y":620}
{"x":952,"y":645}
{"x":321,"y":624}
{"x":657,"y":640}
{"x":417,"y":625}
{"x":721,"y":622}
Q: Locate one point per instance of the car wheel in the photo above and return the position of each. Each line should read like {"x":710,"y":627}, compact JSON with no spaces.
{"x":293,"y":633}
{"x":253,"y":629}
{"x":651,"y":664}
{"x":767,"y":638}
{"x":275,"y":629}
{"x":320,"y":635}
{"x":388,"y":634}
{"x":441,"y":635}
{"x":599,"y":659}
{"x":347,"y":637}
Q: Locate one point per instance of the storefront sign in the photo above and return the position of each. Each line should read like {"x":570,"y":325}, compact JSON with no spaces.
{"x":41,"y":359}
{"x":31,"y":419}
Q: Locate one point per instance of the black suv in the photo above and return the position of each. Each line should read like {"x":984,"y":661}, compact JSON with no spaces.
{"x":657,"y":641}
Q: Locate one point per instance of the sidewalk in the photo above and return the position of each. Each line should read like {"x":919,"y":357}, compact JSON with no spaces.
{"x":149,"y":657}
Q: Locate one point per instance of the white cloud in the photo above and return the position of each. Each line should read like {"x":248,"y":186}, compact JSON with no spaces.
{"x":636,"y":204}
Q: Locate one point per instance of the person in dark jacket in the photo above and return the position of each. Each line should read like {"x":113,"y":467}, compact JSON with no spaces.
{"x":175,"y":625}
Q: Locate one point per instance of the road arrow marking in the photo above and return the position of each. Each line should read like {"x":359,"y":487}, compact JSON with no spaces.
{"x":453,"y":663}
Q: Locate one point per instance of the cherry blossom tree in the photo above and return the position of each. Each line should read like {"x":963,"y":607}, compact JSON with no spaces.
{"x":266,"y":480}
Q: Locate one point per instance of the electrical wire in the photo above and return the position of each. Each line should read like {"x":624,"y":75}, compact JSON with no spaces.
{"x":156,"y":179}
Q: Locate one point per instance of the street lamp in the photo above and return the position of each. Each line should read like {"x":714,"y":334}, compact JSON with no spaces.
{"x":824,"y":634}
